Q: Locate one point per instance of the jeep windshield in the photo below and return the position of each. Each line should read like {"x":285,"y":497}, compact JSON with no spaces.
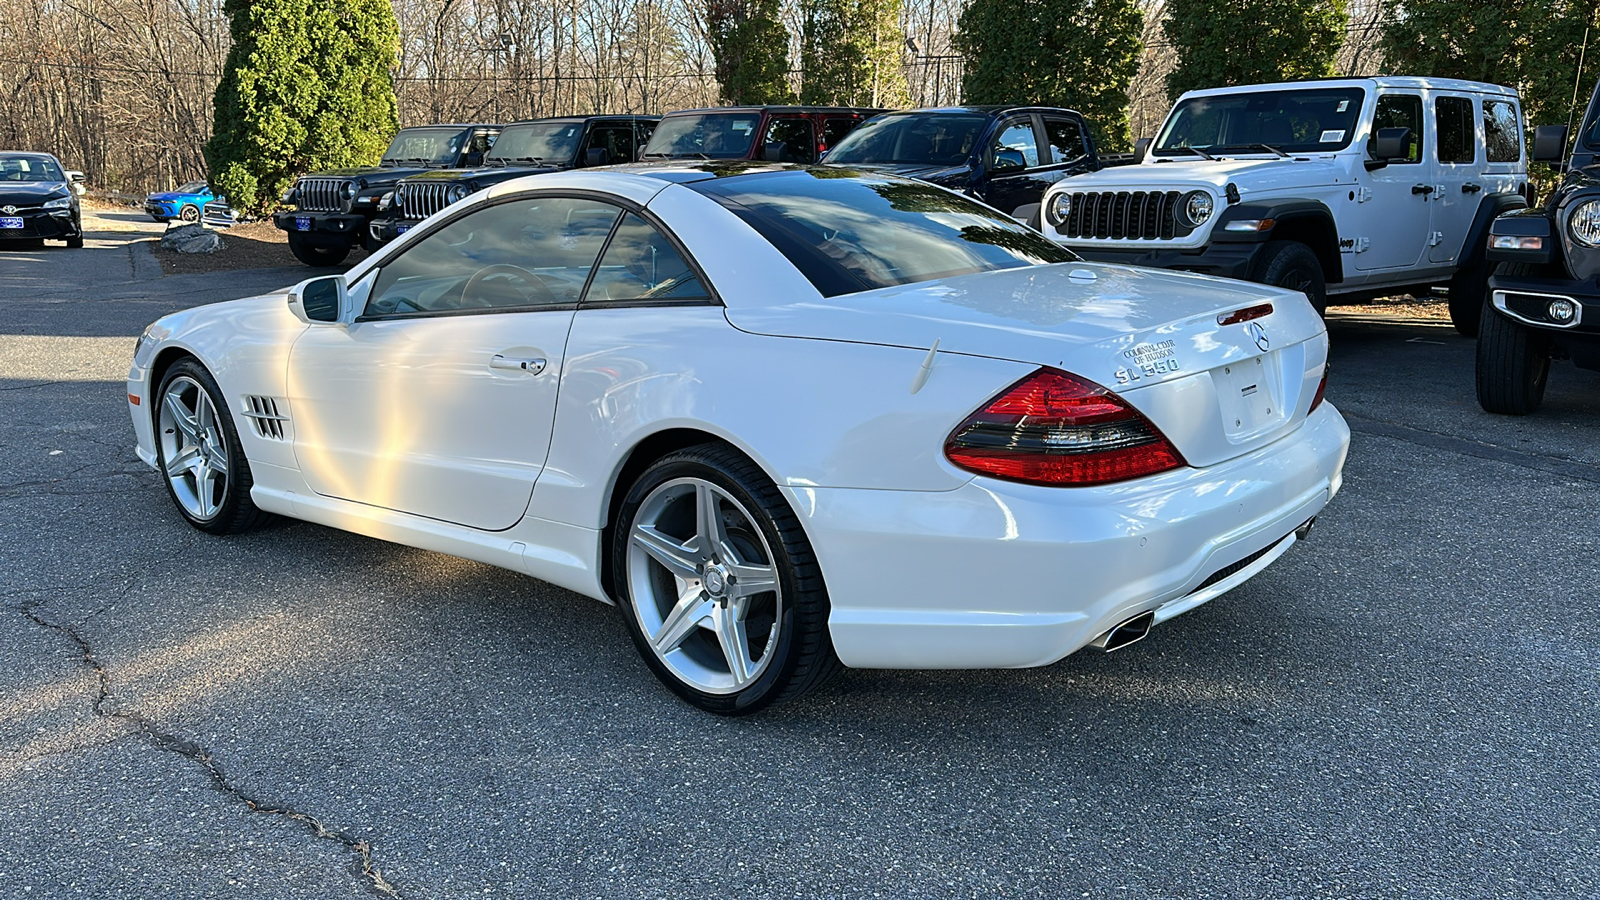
{"x":943,"y":139}
{"x":1306,"y":120}
{"x":544,"y":142}
{"x":425,"y":147}
{"x":703,"y":136}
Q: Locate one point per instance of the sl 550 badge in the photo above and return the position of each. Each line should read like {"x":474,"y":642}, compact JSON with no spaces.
{"x":1147,"y":360}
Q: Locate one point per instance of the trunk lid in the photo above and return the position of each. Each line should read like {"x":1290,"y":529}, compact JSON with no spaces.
{"x":1151,"y":336}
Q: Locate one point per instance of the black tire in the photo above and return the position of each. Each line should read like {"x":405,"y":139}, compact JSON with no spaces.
{"x":1513,"y":363}
{"x":1293,"y":265}
{"x":189,"y":213}
{"x":235,"y":511}
{"x":317,"y":256}
{"x":1468,"y":288}
{"x":76,"y":241}
{"x":803,"y":657}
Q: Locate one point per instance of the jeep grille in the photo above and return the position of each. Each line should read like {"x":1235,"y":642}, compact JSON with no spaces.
{"x":421,"y":199}
{"x":319,"y":195}
{"x":1134,"y":215}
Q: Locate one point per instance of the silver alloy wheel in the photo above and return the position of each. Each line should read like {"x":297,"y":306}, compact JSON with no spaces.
{"x":189,"y":213}
{"x":194,"y":449}
{"x":704,"y":585}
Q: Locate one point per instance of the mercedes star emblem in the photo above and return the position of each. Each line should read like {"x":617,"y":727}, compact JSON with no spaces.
{"x":1259,"y":335}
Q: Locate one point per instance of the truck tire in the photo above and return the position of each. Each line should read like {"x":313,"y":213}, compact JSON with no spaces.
{"x":1468,"y":287}
{"x":1293,"y":265}
{"x":1513,"y":360}
{"x":316,"y":256}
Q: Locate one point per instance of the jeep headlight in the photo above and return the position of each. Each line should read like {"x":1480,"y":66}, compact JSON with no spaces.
{"x":59,"y":203}
{"x":1584,"y":223}
{"x":1195,"y":208}
{"x":289,"y":195}
{"x":348,"y":191}
{"x":1059,"y":208}
{"x":458,"y":192}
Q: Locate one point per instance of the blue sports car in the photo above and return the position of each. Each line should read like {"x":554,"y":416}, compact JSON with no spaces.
{"x":184,"y":203}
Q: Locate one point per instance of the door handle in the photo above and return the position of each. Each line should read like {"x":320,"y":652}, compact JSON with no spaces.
{"x":1423,"y":189}
{"x":516,"y":364}
{"x":1471,"y":188}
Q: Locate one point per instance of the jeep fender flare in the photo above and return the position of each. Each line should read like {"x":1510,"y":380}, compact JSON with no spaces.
{"x":1309,"y":222}
{"x":1476,"y":247}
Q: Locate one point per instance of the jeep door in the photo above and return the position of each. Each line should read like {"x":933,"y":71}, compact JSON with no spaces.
{"x":1394,"y":224}
{"x":1015,"y":179}
{"x":1458,"y":182}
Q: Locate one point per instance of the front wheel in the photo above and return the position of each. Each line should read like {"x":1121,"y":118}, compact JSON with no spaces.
{"x":1293,"y":265}
{"x":718,"y":585}
{"x":318,"y":256}
{"x":1513,"y":363}
{"x":190,"y":213}
{"x":198,"y":451}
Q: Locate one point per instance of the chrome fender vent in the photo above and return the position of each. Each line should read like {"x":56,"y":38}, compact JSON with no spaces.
{"x":265,"y":414}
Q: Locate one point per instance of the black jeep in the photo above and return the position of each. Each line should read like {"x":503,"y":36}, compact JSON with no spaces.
{"x":332,"y":208}
{"x":523,"y":148}
{"x":1543,"y":299}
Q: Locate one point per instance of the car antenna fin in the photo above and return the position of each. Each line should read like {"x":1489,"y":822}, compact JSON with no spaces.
{"x":925,"y":369}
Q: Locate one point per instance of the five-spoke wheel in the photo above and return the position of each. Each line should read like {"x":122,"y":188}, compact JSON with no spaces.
{"x":719,"y":584}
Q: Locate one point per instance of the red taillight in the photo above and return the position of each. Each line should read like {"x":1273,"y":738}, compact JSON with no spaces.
{"x":1055,"y":428}
{"x":1322,"y":388}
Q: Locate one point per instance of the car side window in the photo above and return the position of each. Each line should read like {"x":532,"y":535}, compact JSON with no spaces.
{"x":1502,"y":131}
{"x":523,"y":254}
{"x":1399,"y":111}
{"x":834,"y":130}
{"x":1457,"y":135}
{"x":1015,"y":147}
{"x":641,"y":264}
{"x":616,"y":140}
{"x":1066,"y":140}
{"x":795,"y":136}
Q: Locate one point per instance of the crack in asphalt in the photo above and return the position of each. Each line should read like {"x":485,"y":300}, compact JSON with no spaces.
{"x":105,"y":707}
{"x":1539,"y":462}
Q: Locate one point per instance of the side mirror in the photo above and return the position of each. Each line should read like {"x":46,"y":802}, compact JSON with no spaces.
{"x":1391,"y":144}
{"x":1007,"y":158}
{"x":775,"y":152}
{"x":472,"y":160}
{"x":1549,"y":142}
{"x":320,"y":301}
{"x":1141,"y":147}
{"x":75,"y":180}
{"x":596,"y":156}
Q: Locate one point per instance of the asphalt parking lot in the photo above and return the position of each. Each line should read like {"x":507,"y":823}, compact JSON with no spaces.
{"x":1404,"y":706}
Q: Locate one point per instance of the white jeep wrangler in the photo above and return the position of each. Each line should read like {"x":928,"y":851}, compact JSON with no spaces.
{"x":1354,"y":188}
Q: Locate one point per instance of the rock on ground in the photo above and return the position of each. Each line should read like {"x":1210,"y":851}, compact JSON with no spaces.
{"x":191,"y":239}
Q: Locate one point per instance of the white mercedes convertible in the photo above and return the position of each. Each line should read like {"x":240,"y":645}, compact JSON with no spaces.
{"x":785,"y":418}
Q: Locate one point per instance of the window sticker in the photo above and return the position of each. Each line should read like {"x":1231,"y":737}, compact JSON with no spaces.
{"x":1333,"y":136}
{"x":1343,"y":105}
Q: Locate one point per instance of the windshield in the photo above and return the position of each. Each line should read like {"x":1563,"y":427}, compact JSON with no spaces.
{"x":1300,"y":121}
{"x":850,"y":231}
{"x":425,"y":146}
{"x":930,"y":139}
{"x":704,"y":136}
{"x":552,"y":142}
{"x":193,"y":187}
{"x":29,"y":168}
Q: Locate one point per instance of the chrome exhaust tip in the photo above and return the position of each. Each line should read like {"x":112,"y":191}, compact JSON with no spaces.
{"x":1130,"y":632}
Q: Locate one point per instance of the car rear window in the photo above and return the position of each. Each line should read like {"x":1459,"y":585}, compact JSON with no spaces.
{"x":848,"y":231}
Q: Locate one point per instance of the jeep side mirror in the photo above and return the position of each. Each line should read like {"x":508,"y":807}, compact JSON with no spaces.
{"x":320,"y":301}
{"x":1140,"y":148}
{"x":1549,"y":142}
{"x":472,"y":160}
{"x":596,"y":156}
{"x":1391,"y":144}
{"x":776,"y":151}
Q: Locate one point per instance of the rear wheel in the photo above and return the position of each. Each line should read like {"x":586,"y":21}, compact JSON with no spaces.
{"x":198,"y":451}
{"x":1513,"y":363}
{"x":319,"y":256}
{"x":718,"y":585}
{"x":1293,"y":265}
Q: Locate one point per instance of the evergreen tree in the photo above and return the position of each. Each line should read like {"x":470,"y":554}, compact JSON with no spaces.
{"x":1533,"y":45}
{"x":1080,"y":54}
{"x":307,"y":86}
{"x":1225,"y":42}
{"x":850,"y":53}
{"x":749,"y":48}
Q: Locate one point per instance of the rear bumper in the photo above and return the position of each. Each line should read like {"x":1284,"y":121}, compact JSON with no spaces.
{"x":1002,"y":575}
{"x":53,"y":224}
{"x":1223,"y":259}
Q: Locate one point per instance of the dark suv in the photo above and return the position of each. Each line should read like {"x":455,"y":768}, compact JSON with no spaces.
{"x":332,"y":208}
{"x":1005,"y":156}
{"x":772,"y":133}
{"x":523,"y":148}
{"x":1543,"y":299}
